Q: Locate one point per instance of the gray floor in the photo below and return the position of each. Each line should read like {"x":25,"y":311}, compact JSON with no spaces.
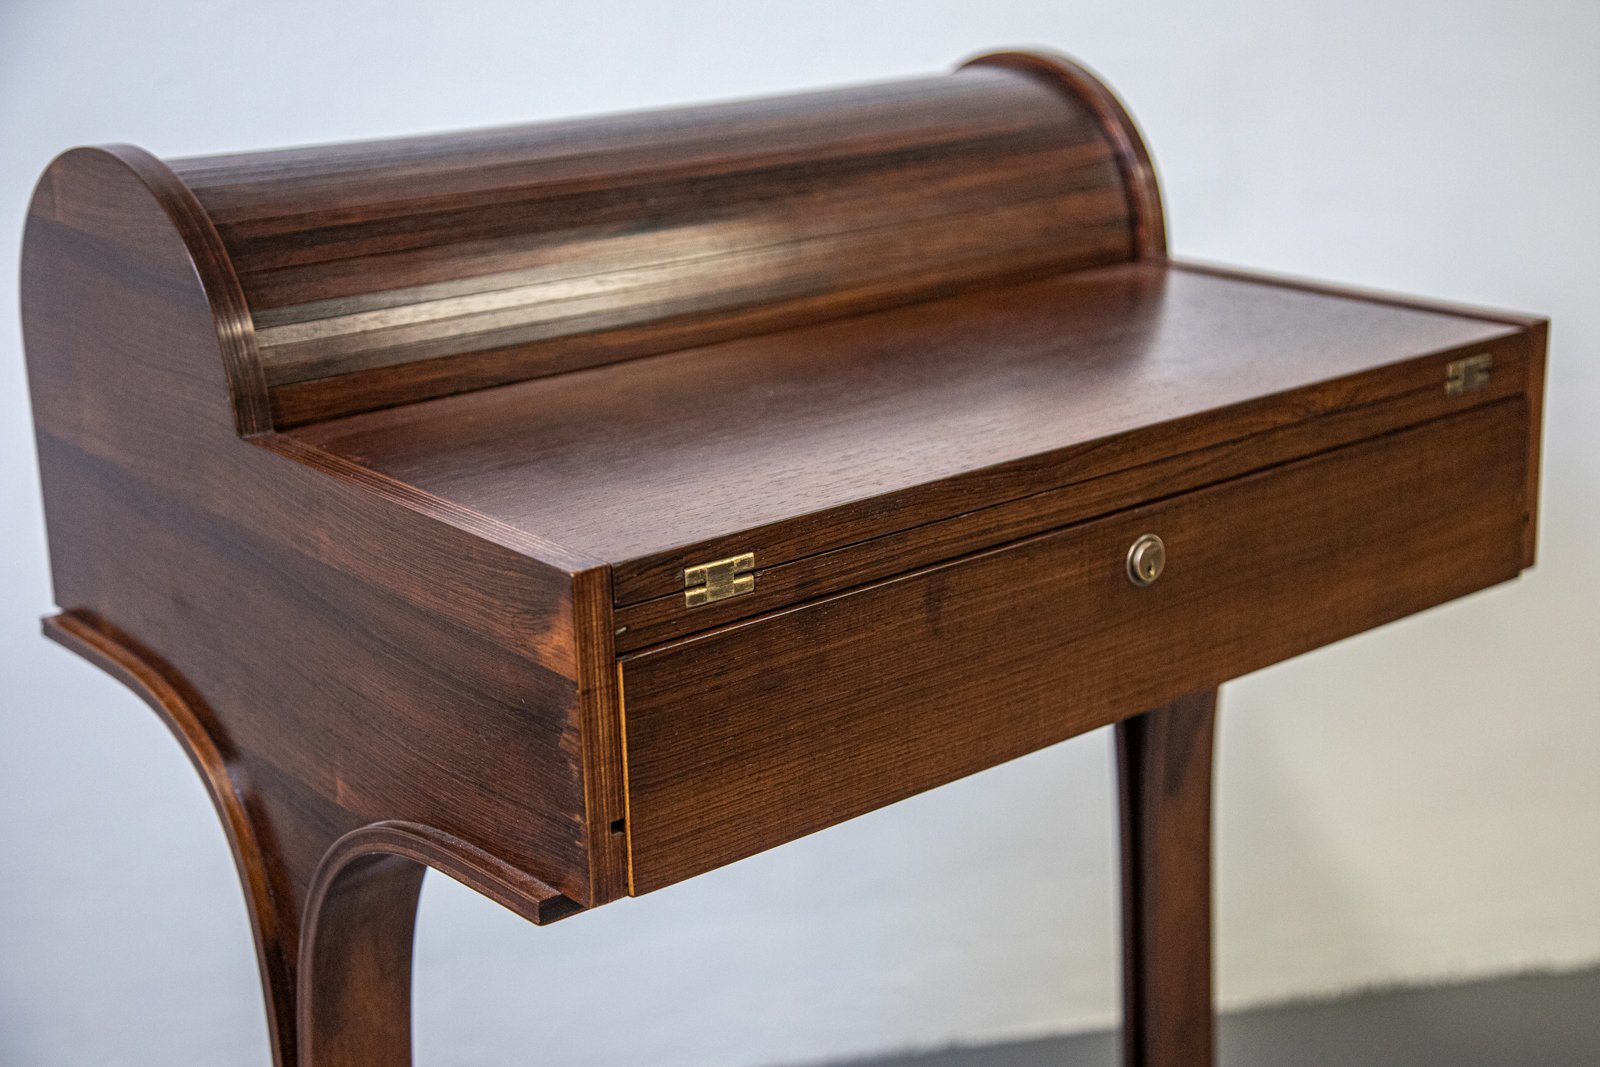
{"x":1535,"y":1020}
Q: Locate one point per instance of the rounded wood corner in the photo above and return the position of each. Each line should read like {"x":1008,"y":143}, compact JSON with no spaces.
{"x":1133,"y":155}
{"x":84,"y":184}
{"x":185,"y":715}
{"x":353,"y":992}
{"x":426,"y":846}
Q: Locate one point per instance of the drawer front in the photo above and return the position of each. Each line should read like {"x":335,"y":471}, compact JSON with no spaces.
{"x":746,"y":737}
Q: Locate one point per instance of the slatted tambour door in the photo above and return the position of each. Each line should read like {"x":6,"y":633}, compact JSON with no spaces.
{"x":403,"y":269}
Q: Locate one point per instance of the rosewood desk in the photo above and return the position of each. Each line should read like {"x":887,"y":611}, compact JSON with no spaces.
{"x":576,"y":508}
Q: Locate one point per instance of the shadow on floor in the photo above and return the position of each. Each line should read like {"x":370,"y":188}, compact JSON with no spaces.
{"x":1527,"y":1021}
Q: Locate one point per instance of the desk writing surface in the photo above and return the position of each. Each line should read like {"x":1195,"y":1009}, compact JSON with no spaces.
{"x":634,"y":458}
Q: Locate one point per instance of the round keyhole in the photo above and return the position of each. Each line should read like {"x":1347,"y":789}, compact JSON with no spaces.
{"x":1146,"y":559}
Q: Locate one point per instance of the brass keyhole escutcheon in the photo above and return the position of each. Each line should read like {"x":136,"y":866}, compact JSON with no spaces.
{"x":1146,"y":560}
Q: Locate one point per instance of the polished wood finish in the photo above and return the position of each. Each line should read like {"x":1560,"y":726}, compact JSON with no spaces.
{"x":1147,"y":216}
{"x":757,"y":733}
{"x":191,"y":724}
{"x":354,"y":989}
{"x":833,"y":436}
{"x":354,"y":650}
{"x":355,"y":985}
{"x":383,"y":272}
{"x":1164,"y":785}
{"x":377,"y":470}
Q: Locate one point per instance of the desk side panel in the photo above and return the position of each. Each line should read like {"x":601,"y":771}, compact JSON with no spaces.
{"x":364,"y":655}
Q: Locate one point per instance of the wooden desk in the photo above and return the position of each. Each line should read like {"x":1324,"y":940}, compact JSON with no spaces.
{"x":577,"y":508}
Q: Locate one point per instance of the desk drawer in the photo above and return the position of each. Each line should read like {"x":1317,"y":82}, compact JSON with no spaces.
{"x":745,"y":737}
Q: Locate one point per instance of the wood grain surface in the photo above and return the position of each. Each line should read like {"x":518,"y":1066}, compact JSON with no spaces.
{"x":387,"y":271}
{"x":797,"y":443}
{"x":376,"y":469}
{"x":355,"y":650}
{"x":1164,"y":761}
{"x":752,"y":735}
{"x":649,"y":622}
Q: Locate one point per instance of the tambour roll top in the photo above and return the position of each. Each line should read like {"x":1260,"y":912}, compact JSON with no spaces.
{"x":386,"y":272}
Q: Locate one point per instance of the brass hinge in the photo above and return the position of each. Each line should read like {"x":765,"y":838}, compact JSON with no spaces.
{"x":1468,"y":375}
{"x":720,"y":579}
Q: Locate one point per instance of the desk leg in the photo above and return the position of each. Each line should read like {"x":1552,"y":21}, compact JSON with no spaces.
{"x":339,"y":995}
{"x":354,"y":983}
{"x":1164,"y":772}
{"x":355,"y":967}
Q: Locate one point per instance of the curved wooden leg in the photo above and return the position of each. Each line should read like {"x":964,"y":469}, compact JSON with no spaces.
{"x":354,"y":990}
{"x":272,"y":918}
{"x":1164,"y":772}
{"x":355,"y":965}
{"x":333,"y":916}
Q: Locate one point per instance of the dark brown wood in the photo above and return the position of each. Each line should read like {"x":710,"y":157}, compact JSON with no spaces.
{"x":364,"y":651}
{"x":384,"y":272}
{"x":1533,"y":396}
{"x":376,"y":469}
{"x":193,"y":725}
{"x":752,"y":735}
{"x":355,"y":977}
{"x":1534,"y":341}
{"x":653,"y":621}
{"x":837,"y":434}
{"x":354,"y":990}
{"x":1164,"y":782}
{"x":1081,"y":86}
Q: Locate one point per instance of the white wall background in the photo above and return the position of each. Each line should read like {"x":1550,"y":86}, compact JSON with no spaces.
{"x":1416,"y":805}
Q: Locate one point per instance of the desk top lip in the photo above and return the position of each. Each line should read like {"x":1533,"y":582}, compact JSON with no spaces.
{"x":523,"y":457}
